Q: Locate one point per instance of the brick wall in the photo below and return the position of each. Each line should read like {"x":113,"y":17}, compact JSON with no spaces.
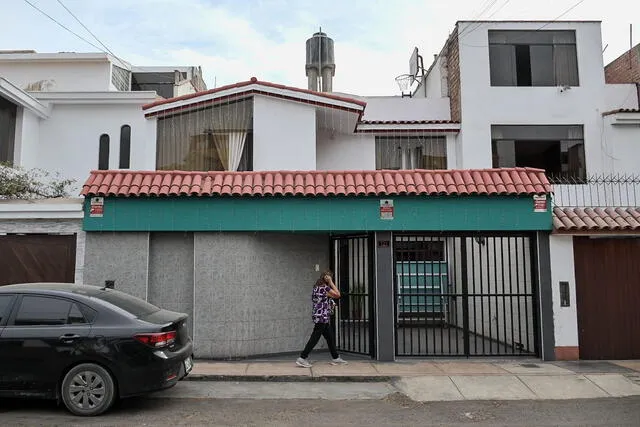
{"x":453,"y":75}
{"x":625,"y":69}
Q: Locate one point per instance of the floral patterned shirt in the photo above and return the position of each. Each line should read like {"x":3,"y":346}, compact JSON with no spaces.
{"x":321,"y":304}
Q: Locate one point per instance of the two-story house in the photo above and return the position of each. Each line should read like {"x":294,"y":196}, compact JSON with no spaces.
{"x":258,"y":187}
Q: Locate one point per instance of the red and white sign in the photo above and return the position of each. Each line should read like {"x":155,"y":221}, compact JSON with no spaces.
{"x":540,"y":203}
{"x":96,"y":209}
{"x":386,"y":209}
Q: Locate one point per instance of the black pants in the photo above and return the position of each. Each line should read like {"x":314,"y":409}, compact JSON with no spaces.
{"x":320,"y":329}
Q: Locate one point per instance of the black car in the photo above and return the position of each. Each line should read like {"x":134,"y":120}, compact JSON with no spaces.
{"x":87,"y":345}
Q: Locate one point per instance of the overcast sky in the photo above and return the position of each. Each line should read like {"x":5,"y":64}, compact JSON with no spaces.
{"x":236,"y":39}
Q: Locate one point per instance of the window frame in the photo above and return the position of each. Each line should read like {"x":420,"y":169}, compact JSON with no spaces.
{"x":409,"y":140}
{"x":104,"y":143}
{"x":17,"y":304}
{"x":125,"y":147}
{"x":495,"y":159}
{"x":523,"y":41}
{"x":13,"y":123}
{"x":4,"y":316}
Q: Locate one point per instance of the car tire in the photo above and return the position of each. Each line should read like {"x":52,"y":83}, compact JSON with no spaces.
{"x":88,"y":390}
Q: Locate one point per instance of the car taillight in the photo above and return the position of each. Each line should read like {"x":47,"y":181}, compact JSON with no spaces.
{"x":160,"y":339}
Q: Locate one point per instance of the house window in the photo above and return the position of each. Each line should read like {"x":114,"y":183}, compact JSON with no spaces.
{"x":103,"y":152}
{"x":411,"y":152}
{"x":533,"y":58}
{"x":8,"y":113}
{"x":211,"y":138}
{"x":125,"y":147}
{"x":558,"y":149}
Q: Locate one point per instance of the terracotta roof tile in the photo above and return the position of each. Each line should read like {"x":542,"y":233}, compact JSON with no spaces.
{"x":253,"y":81}
{"x":596,"y":219}
{"x":621,"y":110}
{"x":513,"y":181}
{"x":407,"y":122}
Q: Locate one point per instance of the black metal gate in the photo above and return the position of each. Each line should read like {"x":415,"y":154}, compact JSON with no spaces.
{"x":354,"y":322}
{"x":465,"y":295}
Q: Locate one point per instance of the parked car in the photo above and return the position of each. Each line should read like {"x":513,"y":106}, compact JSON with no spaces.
{"x":87,"y":346}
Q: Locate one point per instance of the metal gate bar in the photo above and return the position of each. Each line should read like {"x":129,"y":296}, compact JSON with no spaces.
{"x":353,"y":264}
{"x":465,"y":295}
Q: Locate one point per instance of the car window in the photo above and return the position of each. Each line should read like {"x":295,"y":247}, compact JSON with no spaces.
{"x":5,"y":300}
{"x":42,"y":311}
{"x":75,"y":315}
{"x":132,"y":305}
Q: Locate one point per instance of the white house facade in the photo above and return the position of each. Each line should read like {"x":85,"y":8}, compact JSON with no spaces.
{"x":431,"y":209}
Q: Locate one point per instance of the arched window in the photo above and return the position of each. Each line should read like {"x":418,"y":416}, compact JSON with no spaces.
{"x":125,"y":147}
{"x":103,"y":152}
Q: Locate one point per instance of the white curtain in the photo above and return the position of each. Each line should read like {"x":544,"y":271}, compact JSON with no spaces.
{"x":236,"y":147}
{"x":221,"y":142}
{"x":565,"y":62}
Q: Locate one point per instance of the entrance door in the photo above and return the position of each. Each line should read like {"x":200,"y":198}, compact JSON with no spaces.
{"x":607,"y":295}
{"x":353,"y":265}
{"x":37,"y":258}
{"x":465,"y":295}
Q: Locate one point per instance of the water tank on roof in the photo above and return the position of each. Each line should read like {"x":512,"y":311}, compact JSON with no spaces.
{"x":321,"y":65}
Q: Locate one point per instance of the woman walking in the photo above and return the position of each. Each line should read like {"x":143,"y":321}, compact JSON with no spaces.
{"x":322,"y":296}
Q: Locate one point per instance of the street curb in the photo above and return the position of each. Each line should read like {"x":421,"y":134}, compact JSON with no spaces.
{"x":290,"y":378}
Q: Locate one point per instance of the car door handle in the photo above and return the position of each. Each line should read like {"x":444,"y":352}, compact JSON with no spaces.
{"x":69,"y":337}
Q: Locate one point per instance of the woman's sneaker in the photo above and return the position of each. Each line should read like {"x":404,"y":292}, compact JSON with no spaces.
{"x":303,"y":363}
{"x":339,"y":361}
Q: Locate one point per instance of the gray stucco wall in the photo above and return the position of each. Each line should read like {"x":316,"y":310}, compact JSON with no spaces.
{"x":123,"y":257}
{"x":171,"y":272}
{"x":252,"y":293}
{"x":51,"y":226}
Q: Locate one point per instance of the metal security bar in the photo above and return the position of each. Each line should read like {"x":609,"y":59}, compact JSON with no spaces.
{"x":465,"y":295}
{"x":353,"y":264}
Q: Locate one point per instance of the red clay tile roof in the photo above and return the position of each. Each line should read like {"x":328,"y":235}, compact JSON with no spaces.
{"x":514,"y":181}
{"x":408,"y":122}
{"x":254,"y":81}
{"x":621,"y":110}
{"x":596,"y":219}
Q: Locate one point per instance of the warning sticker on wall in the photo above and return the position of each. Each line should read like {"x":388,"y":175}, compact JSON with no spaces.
{"x":96,"y":209}
{"x":386,"y":209}
{"x":540,"y":203}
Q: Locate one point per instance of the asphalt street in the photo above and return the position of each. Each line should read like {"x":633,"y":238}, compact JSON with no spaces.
{"x":346,"y":406}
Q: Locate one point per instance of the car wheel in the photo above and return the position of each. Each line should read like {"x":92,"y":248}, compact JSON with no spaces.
{"x":88,"y":390}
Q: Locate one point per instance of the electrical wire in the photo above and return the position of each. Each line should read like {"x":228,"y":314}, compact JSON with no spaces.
{"x":90,"y":32}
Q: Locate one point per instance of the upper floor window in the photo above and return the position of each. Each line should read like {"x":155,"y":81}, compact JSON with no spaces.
{"x":125,"y":147}
{"x":213,"y":138}
{"x":533,"y":58}
{"x":8,"y":112}
{"x":411,"y":152}
{"x":103,"y":152}
{"x":558,"y":149}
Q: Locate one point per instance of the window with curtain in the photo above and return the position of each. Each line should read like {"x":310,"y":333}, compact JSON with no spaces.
{"x":210,"y":138}
{"x":103,"y":152}
{"x":125,"y":147}
{"x":411,"y":152}
{"x":533,"y":58}
{"x":8,"y":112}
{"x":558,"y":149}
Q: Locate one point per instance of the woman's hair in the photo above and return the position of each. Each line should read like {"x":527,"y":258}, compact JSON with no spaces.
{"x":321,"y":280}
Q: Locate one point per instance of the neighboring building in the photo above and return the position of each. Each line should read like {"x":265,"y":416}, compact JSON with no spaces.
{"x":95,"y":72}
{"x":625,"y":68}
{"x":168,"y":82}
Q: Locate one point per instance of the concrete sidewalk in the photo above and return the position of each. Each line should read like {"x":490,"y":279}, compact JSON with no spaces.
{"x":448,"y":380}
